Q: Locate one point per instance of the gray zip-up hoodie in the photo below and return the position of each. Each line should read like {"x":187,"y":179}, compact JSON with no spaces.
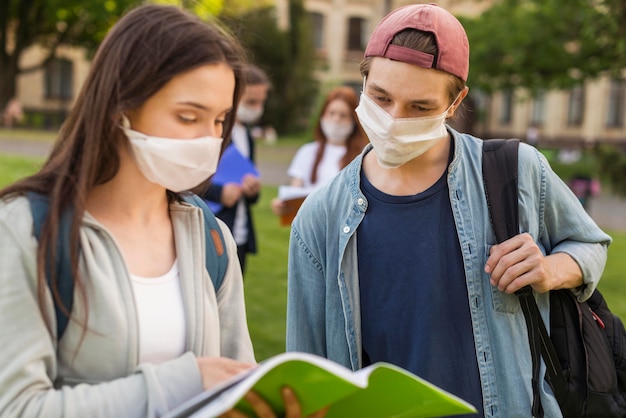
{"x":101,"y":376}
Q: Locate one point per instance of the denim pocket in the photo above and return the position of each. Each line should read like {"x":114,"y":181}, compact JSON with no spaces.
{"x":501,"y":301}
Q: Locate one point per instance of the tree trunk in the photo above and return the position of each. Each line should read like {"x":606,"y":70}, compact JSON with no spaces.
{"x":8,"y":83}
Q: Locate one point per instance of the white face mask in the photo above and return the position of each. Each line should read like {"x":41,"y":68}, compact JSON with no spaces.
{"x":336,"y":132}
{"x":398,"y":141}
{"x":246,"y":114}
{"x":176,"y":164}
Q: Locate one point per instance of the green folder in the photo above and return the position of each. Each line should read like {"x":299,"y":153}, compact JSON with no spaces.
{"x":380,"y":390}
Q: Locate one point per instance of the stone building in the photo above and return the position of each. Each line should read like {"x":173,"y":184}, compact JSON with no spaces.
{"x":594,"y":112}
{"x":591,"y":113}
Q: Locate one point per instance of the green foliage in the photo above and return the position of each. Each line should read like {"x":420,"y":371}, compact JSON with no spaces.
{"x":543,"y":44}
{"x":205,"y":9}
{"x":606,"y":162}
{"x":587,"y":165}
{"x":288,"y":57}
{"x":51,"y":23}
{"x":612,"y":165}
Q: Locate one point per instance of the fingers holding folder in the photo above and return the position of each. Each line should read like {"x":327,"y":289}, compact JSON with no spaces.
{"x":289,"y":200}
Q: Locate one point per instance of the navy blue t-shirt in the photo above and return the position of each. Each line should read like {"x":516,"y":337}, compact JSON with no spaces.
{"x":414,"y":302}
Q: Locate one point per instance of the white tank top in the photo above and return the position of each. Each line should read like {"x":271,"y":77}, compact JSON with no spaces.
{"x":161,"y":316}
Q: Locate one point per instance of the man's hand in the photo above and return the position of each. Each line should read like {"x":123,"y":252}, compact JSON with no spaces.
{"x":518,"y":262}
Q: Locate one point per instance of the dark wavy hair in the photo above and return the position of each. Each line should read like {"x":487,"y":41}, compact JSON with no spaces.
{"x":148,"y":47}
{"x":357,"y":139}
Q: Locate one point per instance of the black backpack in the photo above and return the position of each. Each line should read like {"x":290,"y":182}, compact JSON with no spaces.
{"x":216,"y":257}
{"x":585,"y":353}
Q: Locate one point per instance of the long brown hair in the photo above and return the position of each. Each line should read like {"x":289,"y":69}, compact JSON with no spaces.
{"x":147,"y":48}
{"x":355,"y":142}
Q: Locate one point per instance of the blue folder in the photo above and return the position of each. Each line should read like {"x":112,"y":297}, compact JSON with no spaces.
{"x":233,"y":166}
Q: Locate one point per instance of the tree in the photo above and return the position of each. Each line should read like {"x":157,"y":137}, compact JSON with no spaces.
{"x":551,"y":44}
{"x":612,"y":166}
{"x":51,"y":23}
{"x":287,"y":55}
{"x":544,"y":44}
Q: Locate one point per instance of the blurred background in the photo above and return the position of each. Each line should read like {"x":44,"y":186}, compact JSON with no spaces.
{"x":548,"y":72}
{"x":552,"y":73}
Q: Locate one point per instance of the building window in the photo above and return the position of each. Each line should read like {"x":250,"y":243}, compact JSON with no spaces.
{"x":615,"y":111}
{"x":59,"y":74}
{"x":506,"y":114}
{"x":357,"y":34}
{"x":538,"y":115}
{"x":317,"y":29}
{"x":576,"y":106}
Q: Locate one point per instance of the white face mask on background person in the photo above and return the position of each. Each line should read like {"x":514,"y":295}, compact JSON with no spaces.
{"x":398,"y":141}
{"x":247,"y":114}
{"x":336,"y":132}
{"x":176,"y":164}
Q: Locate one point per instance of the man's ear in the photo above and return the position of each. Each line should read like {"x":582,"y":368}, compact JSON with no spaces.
{"x":457,"y":102}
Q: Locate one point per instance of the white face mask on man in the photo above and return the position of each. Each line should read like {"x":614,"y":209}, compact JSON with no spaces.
{"x":398,"y":141}
{"x":176,"y":164}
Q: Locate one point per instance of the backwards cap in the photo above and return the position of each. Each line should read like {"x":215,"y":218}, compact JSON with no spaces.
{"x":449,"y":34}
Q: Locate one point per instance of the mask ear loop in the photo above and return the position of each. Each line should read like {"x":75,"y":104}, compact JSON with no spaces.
{"x":452,"y":104}
{"x":125,"y":121}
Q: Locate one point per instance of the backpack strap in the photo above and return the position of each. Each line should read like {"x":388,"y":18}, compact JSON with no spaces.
{"x":216,"y":258}
{"x":500,"y":172}
{"x":500,"y":180}
{"x":215,"y":252}
{"x":39,"y":206}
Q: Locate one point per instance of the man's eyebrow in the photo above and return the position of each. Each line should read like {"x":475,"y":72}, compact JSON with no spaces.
{"x":427,"y":101}
{"x":377,"y":88}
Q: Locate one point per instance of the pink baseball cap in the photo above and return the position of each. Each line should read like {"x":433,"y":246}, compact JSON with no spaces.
{"x":450,"y":35}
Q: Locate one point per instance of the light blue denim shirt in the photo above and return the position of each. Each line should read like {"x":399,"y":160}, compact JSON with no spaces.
{"x":323,"y":311}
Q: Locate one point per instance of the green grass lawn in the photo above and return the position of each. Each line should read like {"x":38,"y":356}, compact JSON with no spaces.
{"x":14,"y":167}
{"x":266,"y":278}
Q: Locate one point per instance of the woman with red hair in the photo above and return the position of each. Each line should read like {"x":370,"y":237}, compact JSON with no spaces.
{"x":339,"y":138}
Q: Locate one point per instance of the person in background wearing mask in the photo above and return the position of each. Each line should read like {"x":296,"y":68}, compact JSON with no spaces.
{"x":147,"y":330}
{"x":339,"y":138}
{"x":395,"y":259}
{"x":237,"y":198}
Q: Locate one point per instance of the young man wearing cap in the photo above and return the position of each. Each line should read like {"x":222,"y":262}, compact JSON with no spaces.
{"x":395,"y":261}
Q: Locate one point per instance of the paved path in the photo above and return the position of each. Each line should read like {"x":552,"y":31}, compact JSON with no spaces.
{"x":608,"y":210}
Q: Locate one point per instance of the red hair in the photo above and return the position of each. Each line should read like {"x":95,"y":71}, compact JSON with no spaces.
{"x":357,"y":139}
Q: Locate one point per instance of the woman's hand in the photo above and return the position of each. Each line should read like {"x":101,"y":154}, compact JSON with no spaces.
{"x":217,"y":369}
{"x":278,"y":207}
{"x":263,"y":410}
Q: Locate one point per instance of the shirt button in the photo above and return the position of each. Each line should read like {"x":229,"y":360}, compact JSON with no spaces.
{"x":346,"y":229}
{"x":360,"y":201}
